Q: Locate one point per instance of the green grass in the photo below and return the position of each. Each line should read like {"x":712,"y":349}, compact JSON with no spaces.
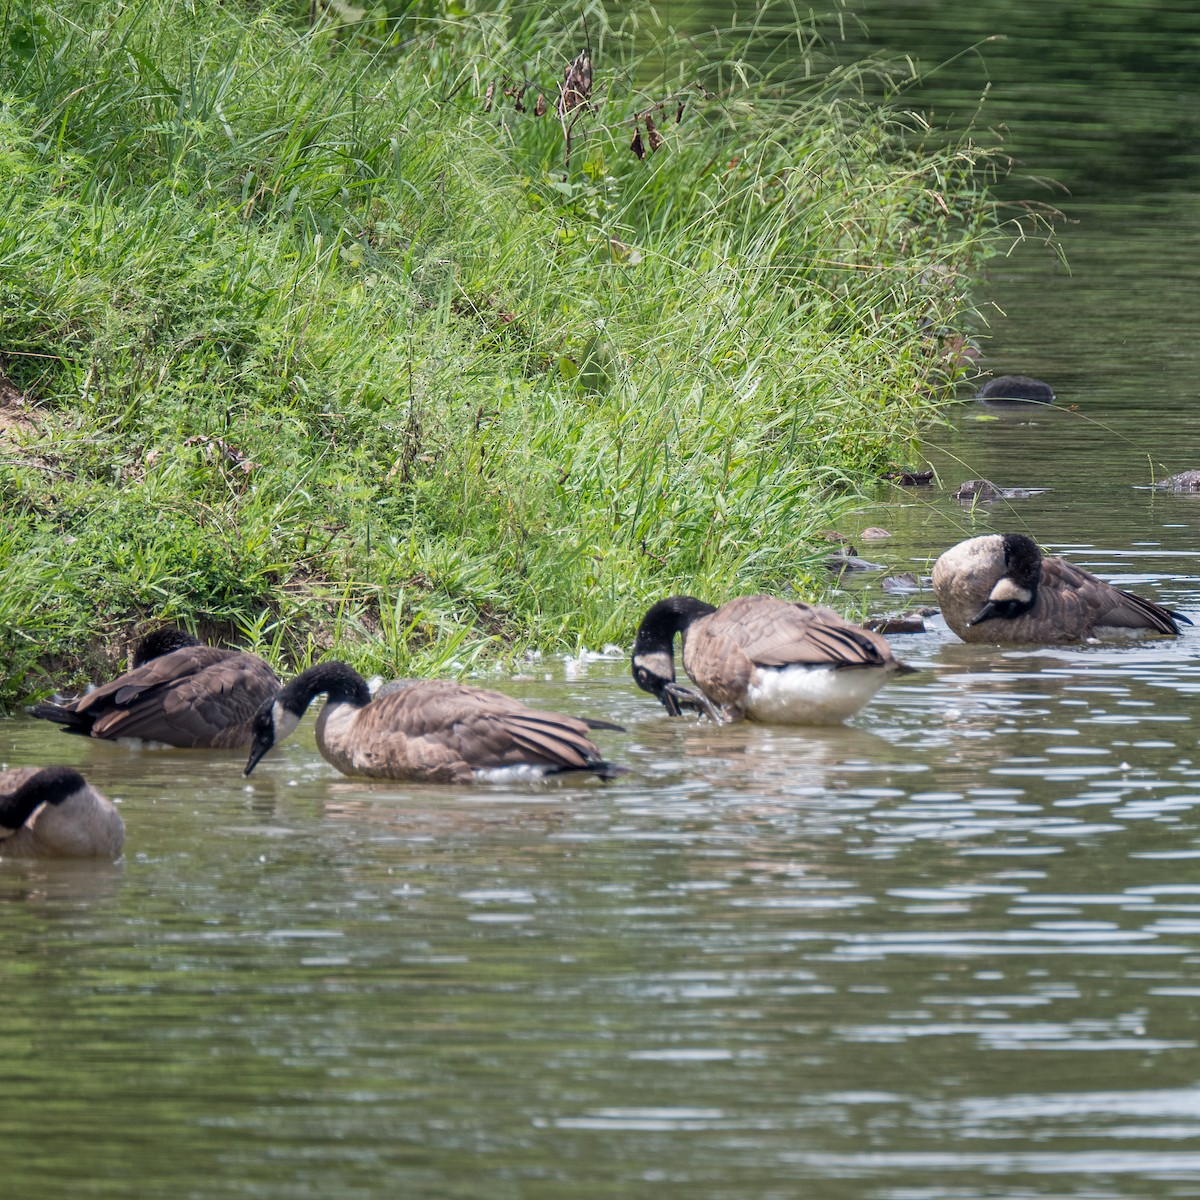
{"x":325,"y":358}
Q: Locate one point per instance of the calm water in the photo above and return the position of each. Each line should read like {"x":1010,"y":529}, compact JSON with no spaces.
{"x":950,"y":951}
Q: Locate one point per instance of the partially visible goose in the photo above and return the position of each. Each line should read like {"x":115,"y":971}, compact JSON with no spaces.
{"x":762,"y":658}
{"x":53,"y":812}
{"x":1001,"y":588}
{"x":179,"y":693}
{"x":429,"y":730}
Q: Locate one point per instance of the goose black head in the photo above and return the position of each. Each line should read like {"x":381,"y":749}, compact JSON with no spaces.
{"x":275,"y":720}
{"x":278,"y":717}
{"x":1015,"y":592}
{"x":653,"y":659}
{"x":263,"y":731}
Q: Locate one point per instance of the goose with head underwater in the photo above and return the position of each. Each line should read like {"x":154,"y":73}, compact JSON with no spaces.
{"x":763,"y":658}
{"x":180,"y":692}
{"x":1000,"y":588}
{"x":53,"y":812}
{"x":428,"y":730}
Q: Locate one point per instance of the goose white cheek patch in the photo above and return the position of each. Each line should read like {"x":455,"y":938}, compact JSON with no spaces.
{"x":1009,"y":589}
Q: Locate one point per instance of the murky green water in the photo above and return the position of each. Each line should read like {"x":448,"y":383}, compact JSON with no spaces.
{"x":951,"y":951}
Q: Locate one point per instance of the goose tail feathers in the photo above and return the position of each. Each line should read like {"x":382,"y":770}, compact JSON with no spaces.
{"x":71,"y":721}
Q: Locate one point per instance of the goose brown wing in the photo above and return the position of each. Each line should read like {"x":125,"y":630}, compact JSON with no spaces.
{"x":84,"y":713}
{"x":545,"y":737}
{"x":777,"y":633}
{"x":126,"y":689}
{"x":1076,"y":598}
{"x":212,"y":705}
{"x":476,"y":727}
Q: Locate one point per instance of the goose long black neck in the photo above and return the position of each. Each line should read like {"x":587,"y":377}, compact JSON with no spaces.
{"x":664,"y":620}
{"x":340,"y":682}
{"x":653,"y":660}
{"x":49,"y":786}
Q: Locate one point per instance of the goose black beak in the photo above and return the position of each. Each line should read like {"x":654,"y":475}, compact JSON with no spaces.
{"x":986,"y":613}
{"x":256,"y":753}
{"x":668,"y":700}
{"x":675,"y":698}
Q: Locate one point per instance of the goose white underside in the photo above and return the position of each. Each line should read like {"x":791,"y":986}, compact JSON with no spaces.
{"x":811,"y":695}
{"x":1110,"y":633}
{"x":523,"y":773}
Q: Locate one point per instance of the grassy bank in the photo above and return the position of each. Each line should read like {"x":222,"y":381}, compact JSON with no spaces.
{"x":309,"y":343}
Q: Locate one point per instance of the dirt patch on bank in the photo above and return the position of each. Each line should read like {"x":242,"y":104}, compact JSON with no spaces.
{"x":14,"y":407}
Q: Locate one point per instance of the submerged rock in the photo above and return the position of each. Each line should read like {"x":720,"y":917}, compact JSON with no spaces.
{"x":848,"y":560}
{"x":906,"y":581}
{"x":1016,"y":387}
{"x":904,"y":623}
{"x":873,"y":533}
{"x":983,"y":491}
{"x":911,"y":478}
{"x":978,"y":489}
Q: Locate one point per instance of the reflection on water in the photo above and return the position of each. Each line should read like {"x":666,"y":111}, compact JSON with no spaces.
{"x":951,"y":951}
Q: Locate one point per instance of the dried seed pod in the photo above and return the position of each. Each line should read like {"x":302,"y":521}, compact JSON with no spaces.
{"x":576,"y":86}
{"x":679,"y":112}
{"x":539,"y":109}
{"x":519,"y":102}
{"x":487,"y":96}
{"x":654,"y":139}
{"x":637,"y":145}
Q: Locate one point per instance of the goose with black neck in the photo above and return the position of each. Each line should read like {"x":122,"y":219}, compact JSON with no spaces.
{"x":429,"y":730}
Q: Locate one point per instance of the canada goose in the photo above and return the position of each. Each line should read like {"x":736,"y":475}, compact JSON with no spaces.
{"x":179,"y":693}
{"x":763,"y":658}
{"x":53,"y":812}
{"x":1000,"y":588}
{"x":428,"y":730}
{"x":1016,"y":387}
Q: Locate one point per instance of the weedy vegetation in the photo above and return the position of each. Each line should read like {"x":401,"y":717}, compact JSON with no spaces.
{"x":429,"y":341}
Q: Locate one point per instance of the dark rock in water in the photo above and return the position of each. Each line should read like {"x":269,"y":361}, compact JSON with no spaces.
{"x":1185,"y":481}
{"x":841,"y":562}
{"x":905,"y":623}
{"x":911,"y":478}
{"x":904,"y":582}
{"x":1016,"y":387}
{"x":978,"y":489}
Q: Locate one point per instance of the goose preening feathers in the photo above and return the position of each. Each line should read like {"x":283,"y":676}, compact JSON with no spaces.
{"x":763,"y":658}
{"x":1001,"y":588}
{"x":53,"y":812}
{"x":429,"y":730}
{"x":179,"y":693}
